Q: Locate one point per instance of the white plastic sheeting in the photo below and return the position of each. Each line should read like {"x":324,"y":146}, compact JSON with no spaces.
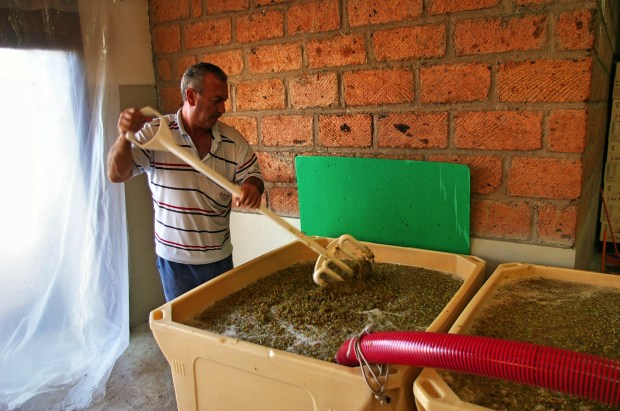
{"x":63,"y":260}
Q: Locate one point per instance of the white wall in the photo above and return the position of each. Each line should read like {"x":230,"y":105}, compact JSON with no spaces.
{"x":131,"y":37}
{"x":133,"y":71}
{"x":255,"y":234}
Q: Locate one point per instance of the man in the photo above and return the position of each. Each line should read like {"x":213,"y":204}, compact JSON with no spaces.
{"x":192,"y":213}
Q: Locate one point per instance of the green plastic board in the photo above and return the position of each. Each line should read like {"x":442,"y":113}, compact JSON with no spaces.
{"x":398,"y":202}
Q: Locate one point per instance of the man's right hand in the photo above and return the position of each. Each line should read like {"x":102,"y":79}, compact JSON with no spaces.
{"x":131,"y":119}
{"x":120,"y":161}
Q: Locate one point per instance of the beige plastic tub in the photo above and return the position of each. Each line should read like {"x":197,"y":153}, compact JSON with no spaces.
{"x":215,"y":372}
{"x":431,"y":392}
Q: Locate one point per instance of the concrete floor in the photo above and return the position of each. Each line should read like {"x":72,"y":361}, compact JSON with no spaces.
{"x":140,"y":379}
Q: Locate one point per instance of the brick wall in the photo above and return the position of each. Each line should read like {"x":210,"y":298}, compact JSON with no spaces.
{"x":515,"y":89}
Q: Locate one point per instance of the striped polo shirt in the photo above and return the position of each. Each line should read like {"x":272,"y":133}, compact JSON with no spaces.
{"x":192,"y":213}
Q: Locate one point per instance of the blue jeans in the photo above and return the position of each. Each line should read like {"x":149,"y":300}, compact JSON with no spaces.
{"x":178,"y":278}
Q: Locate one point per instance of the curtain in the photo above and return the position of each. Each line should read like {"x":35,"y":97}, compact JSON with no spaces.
{"x":63,"y":260}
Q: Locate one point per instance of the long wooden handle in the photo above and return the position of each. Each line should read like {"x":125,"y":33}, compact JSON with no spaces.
{"x":232,"y":188}
{"x":164,"y":141}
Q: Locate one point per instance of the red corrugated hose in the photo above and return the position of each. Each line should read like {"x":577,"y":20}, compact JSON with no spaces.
{"x":575,"y":373}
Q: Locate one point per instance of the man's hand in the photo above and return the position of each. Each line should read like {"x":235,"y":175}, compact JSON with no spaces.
{"x":119,"y":156}
{"x":131,"y":119}
{"x":251,"y":193}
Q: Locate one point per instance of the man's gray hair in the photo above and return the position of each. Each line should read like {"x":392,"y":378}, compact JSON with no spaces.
{"x":195,"y":74}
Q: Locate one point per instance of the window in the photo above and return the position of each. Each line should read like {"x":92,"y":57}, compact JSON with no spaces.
{"x":63,"y":265}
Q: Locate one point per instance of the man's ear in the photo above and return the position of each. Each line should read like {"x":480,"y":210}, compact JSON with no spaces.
{"x":191,"y":95}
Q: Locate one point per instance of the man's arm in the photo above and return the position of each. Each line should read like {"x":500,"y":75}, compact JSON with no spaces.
{"x":120,"y":161}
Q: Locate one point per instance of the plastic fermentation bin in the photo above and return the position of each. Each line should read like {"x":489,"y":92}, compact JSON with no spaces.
{"x":431,"y":391}
{"x":215,"y":372}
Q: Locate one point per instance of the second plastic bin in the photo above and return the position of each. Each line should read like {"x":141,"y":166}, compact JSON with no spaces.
{"x":431,"y":391}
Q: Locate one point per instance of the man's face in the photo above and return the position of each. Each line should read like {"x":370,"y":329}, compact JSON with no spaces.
{"x":210,"y":104}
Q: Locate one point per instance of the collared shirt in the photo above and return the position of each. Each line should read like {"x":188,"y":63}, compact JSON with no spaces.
{"x":192,"y":213}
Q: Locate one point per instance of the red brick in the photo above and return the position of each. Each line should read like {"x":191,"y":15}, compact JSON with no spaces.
{"x":557,"y":225}
{"x":545,"y":80}
{"x":545,"y":178}
{"x":345,"y":130}
{"x":455,"y":83}
{"x":567,"y":131}
{"x":183,"y":63}
{"x":231,"y":61}
{"x":365,"y":12}
{"x":221,"y":6}
{"x":410,"y":42}
{"x":370,"y":87}
{"x":163,"y":68}
{"x":336,"y":51}
{"x":260,"y":95}
{"x":413,"y":130}
{"x":166,"y":39}
{"x":284,"y":201}
{"x":166,"y":10}
{"x":207,"y":33}
{"x":196,"y":8}
{"x":260,"y":26}
{"x":170,"y":99}
{"x":314,"y":90}
{"x":498,"y":130}
{"x":486,"y":171}
{"x":317,"y":16}
{"x":245,"y":125}
{"x":277,"y":167}
{"x":453,"y":6}
{"x":497,"y":219}
{"x":500,"y":35}
{"x":575,"y":30}
{"x":289,"y":130}
{"x":275,"y":58}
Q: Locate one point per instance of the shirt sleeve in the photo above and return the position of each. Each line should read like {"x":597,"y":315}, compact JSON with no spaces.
{"x":248,"y":167}
{"x":245,"y":157}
